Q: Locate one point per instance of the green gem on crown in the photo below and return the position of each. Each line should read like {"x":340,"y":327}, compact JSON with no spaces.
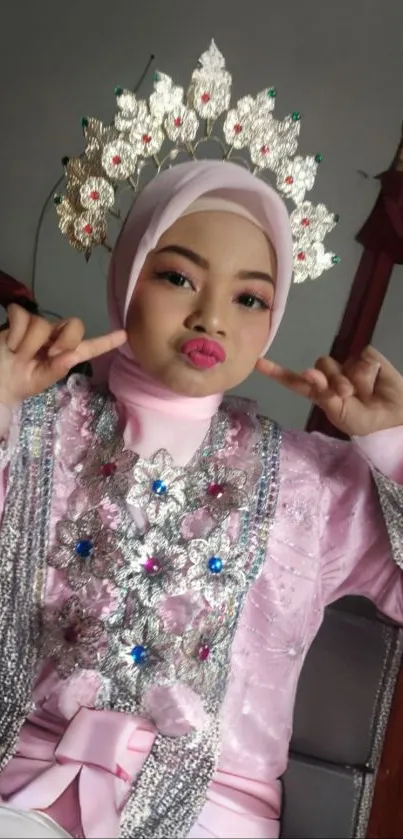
{"x":84,"y":122}
{"x":336,"y":217}
{"x":57,"y":199}
{"x":318,"y":158}
{"x":118,"y":90}
{"x":65,"y":161}
{"x":156,"y":77}
{"x":295,"y":116}
{"x":335,"y":259}
{"x":272,"y":92}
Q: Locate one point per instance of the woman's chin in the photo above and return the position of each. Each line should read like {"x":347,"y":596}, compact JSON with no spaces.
{"x":195,"y":384}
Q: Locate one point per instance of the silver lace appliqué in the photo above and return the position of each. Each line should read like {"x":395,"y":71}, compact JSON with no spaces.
{"x":85,"y":548}
{"x":72,"y":638}
{"x":158,"y":486}
{"x":106,"y":468}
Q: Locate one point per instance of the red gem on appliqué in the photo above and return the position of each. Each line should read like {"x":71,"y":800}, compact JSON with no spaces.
{"x":238,"y":128}
{"x":108,"y":469}
{"x":116,"y":159}
{"x":305,"y":222}
{"x":88,"y":228}
{"x":94,"y":195}
{"x":289,"y":180}
{"x":203,"y":652}
{"x":147,"y":138}
{"x":301,"y":256}
{"x":178,"y":122}
{"x":216,"y":490}
{"x":152,"y":565}
{"x":205,"y":97}
{"x":71,"y":634}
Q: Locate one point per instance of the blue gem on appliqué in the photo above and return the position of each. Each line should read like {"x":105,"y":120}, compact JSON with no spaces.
{"x":159,"y":487}
{"x":215,"y":564}
{"x":139,"y":654}
{"x":84,"y":548}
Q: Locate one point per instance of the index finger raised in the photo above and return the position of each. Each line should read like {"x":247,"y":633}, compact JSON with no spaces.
{"x":287,"y":378}
{"x":93,"y":347}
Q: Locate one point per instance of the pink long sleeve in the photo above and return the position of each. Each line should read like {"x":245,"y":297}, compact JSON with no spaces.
{"x":356,"y":537}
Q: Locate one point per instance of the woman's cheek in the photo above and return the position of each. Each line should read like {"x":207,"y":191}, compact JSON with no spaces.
{"x":254,"y":335}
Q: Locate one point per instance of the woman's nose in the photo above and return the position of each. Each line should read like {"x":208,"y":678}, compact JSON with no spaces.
{"x":209,"y":317}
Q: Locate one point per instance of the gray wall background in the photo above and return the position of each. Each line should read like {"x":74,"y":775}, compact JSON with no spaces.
{"x":340,"y":64}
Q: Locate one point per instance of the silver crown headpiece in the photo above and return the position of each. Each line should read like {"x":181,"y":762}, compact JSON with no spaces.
{"x":168,"y":126}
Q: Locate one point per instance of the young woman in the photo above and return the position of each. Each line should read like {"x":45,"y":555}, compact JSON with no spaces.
{"x":167,"y":554}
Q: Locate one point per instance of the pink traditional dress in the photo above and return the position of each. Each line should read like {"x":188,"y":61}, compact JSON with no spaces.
{"x":165,"y":566}
{"x":173,"y":648}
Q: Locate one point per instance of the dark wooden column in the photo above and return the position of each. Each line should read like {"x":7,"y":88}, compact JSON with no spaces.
{"x":12,"y":291}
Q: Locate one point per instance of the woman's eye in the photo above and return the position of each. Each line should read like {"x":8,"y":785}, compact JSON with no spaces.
{"x":175,"y":278}
{"x":251,"y":301}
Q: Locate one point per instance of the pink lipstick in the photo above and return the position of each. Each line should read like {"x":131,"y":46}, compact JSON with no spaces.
{"x":203,"y":353}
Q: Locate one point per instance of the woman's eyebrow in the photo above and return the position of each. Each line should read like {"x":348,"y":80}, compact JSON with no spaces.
{"x":255,"y":275}
{"x":187,"y":253}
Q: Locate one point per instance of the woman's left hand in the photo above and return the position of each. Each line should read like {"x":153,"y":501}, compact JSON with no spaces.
{"x":359,"y":397}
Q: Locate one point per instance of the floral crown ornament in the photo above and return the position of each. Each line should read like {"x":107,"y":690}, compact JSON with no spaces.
{"x":172,"y":124}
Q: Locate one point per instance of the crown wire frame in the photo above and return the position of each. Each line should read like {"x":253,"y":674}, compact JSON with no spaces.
{"x":149,"y":136}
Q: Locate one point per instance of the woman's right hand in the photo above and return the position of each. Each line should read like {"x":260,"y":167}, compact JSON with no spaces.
{"x":35,"y":354}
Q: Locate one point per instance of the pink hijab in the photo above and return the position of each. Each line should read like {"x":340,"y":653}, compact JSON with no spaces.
{"x":158,"y":206}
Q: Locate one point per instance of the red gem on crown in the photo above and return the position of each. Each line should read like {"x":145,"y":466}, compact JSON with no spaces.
{"x":178,"y":122}
{"x":94,"y":195}
{"x":116,"y":159}
{"x":301,"y":256}
{"x":289,"y":180}
{"x":238,"y":128}
{"x":205,"y":97}
{"x":88,"y":228}
{"x":147,"y":138}
{"x":305,"y":222}
{"x":264,"y":150}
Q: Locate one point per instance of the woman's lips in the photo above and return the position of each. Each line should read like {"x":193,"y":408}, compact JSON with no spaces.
{"x":203,"y":353}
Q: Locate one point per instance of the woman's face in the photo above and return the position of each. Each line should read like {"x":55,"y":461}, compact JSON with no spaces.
{"x":200,"y":314}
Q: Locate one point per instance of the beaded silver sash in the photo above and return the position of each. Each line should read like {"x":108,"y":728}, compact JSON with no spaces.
{"x":143,"y":567}
{"x":23,"y":551}
{"x":391,"y":501}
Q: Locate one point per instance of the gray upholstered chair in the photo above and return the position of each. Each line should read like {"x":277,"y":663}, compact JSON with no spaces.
{"x":341,"y":713}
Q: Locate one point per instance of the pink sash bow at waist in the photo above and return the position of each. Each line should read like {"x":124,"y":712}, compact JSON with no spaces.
{"x":103,"y":750}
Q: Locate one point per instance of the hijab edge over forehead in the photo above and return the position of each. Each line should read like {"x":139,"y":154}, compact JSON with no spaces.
{"x":167,"y":197}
